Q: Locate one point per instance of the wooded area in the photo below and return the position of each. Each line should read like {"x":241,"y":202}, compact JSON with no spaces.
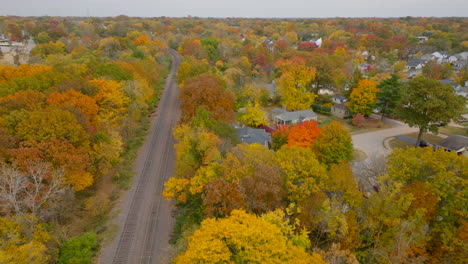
{"x":73,"y":117}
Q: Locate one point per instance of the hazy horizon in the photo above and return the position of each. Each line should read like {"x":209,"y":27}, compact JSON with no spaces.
{"x":238,"y":9}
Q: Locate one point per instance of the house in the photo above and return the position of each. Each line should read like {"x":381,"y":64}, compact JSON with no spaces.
{"x":326,"y":91}
{"x":340,"y":110}
{"x":422,"y":39}
{"x":441,"y":56}
{"x":427,"y":57}
{"x":364,"y":67}
{"x":415,"y":64}
{"x":269,"y":44}
{"x":317,"y":41}
{"x":281,"y":116}
{"x":459,"y":64}
{"x":462,"y":90}
{"x":447,"y":81}
{"x":339,"y":98}
{"x":254,"y":135}
{"x":456,"y":143}
{"x":462,"y":56}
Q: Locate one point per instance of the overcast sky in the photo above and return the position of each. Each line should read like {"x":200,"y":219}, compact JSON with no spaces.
{"x":236,"y":8}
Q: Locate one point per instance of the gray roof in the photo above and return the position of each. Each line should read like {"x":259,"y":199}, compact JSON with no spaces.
{"x":339,"y":97}
{"x":415,"y":62}
{"x":296,"y":115}
{"x":277,"y":111}
{"x":253,"y":135}
{"x":341,"y":106}
{"x":455,"y":143}
{"x":426,"y":57}
{"x":447,"y":81}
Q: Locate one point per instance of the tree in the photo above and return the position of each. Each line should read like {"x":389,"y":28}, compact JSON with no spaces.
{"x":22,"y":244}
{"x":425,"y":102}
{"x":302,"y":172}
{"x":210,"y":92}
{"x":388,"y":95}
{"x":111,"y":99}
{"x":193,"y":48}
{"x":252,"y":115}
{"x":279,"y":137}
{"x":363,"y":97}
{"x":31,"y":191}
{"x":190,"y":68}
{"x":51,"y":122}
{"x":79,"y":249}
{"x":443,"y":175}
{"x":304,"y":134}
{"x":195,"y":147}
{"x":72,"y":99}
{"x":222,"y":197}
{"x":333,"y":144}
{"x":242,"y":238}
{"x":294,"y":85}
{"x":328,"y":70}
{"x":74,"y":161}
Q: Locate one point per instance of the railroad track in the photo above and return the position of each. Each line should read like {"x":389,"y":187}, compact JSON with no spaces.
{"x":140,"y":240}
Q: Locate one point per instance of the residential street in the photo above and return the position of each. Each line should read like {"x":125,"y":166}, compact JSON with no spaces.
{"x":145,"y":221}
{"x":372,"y":143}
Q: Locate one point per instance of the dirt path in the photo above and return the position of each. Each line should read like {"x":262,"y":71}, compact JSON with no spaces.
{"x":145,"y":220}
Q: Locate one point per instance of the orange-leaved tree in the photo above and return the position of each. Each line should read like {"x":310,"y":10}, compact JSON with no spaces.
{"x":210,"y":92}
{"x":304,"y":134}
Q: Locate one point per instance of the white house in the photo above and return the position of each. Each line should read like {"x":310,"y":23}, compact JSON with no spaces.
{"x":317,"y":41}
{"x":422,"y":39}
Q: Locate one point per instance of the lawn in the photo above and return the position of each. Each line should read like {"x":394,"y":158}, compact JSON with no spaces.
{"x":431,"y":138}
{"x":451,"y":130}
{"x":370,"y":124}
{"x":396,"y":143}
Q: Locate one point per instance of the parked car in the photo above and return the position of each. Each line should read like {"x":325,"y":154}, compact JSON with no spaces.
{"x":462,"y":120}
{"x":439,"y":124}
{"x":424,"y":144}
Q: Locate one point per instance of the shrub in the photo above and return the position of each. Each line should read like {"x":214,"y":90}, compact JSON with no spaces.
{"x":358,"y":120}
{"x":79,"y":249}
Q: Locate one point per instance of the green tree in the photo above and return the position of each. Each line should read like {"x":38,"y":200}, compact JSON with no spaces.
{"x":388,"y":95}
{"x":333,"y":144}
{"x":425,"y":102}
{"x":79,"y":249}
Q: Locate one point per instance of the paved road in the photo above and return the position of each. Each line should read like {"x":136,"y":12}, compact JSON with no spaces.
{"x":145,"y":222}
{"x":372,"y":143}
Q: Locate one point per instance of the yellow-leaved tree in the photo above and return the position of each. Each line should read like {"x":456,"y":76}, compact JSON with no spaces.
{"x":244,"y":238}
{"x":294,"y":85}
{"x":111,"y":100}
{"x":363,"y":97}
{"x":252,"y":115}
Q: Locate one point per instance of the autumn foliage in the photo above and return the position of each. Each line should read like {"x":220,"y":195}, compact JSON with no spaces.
{"x":210,"y":92}
{"x":304,"y":134}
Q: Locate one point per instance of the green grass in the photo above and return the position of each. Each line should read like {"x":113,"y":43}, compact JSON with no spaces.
{"x":431,"y":138}
{"x":396,"y":143}
{"x":451,"y":130}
